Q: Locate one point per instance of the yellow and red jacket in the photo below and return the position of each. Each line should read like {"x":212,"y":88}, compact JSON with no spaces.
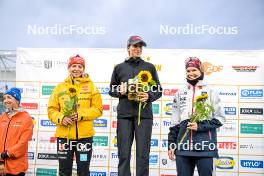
{"x":89,"y":108}
{"x":15,"y":132}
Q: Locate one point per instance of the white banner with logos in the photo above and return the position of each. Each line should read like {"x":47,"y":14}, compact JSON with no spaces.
{"x":237,"y":75}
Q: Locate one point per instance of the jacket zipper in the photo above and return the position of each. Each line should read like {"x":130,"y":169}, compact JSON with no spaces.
{"x":191,"y":132}
{"x":7,"y":133}
{"x":76,"y":125}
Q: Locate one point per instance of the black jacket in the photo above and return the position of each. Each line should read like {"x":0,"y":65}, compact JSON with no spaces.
{"x":128,"y":70}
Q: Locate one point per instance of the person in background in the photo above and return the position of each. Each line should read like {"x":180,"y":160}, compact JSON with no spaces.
{"x":127,"y":110}
{"x":75,"y":131}
{"x":199,"y":146}
{"x":16,"y":129}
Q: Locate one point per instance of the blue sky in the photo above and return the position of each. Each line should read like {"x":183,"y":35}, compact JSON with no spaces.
{"x":110,"y":23}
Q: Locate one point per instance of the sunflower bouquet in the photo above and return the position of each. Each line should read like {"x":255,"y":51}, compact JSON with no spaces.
{"x":70,"y":103}
{"x":140,"y":83}
{"x":202,"y":112}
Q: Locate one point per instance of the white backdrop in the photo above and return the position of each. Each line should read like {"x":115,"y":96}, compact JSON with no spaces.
{"x":237,"y":75}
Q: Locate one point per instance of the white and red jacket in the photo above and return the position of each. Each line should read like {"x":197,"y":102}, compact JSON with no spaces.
{"x":183,"y":108}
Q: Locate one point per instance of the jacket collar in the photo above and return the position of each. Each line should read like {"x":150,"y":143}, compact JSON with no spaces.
{"x":84,"y":78}
{"x":133,"y":60}
{"x":199,"y":84}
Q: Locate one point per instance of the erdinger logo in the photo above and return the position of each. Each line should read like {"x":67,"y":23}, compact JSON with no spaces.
{"x":47,"y":64}
{"x":210,"y":68}
{"x":245,"y":68}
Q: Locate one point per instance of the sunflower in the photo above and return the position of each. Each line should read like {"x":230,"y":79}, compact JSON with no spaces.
{"x":202,"y":97}
{"x":144,"y":77}
{"x":72,"y":90}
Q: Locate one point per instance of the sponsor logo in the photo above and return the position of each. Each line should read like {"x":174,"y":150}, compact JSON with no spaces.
{"x":28,"y":90}
{"x":30,"y":105}
{"x":227,"y":145}
{"x":245,"y":68}
{"x":165,"y":143}
{"x":225,"y":163}
{"x":114,"y":108}
{"x":47,"y":123}
{"x":114,"y":141}
{"x":53,"y":140}
{"x":166,"y":123}
{"x":154,"y":143}
{"x":251,"y":111}
{"x":227,"y":93}
{"x":168,"y":109}
{"x":251,"y":163}
{"x":114,"y":155}
{"x":100,"y":123}
{"x":155,"y":108}
{"x":252,"y":93}
{"x":104,"y":90}
{"x":230,"y":110}
{"x":113,"y":174}
{"x":106,"y":107}
{"x":99,"y":156}
{"x":164,"y":162}
{"x":93,"y":173}
{"x":49,"y":172}
{"x":114,"y":124}
{"x":47,"y":156}
{"x":169,"y":92}
{"x":47,"y":64}
{"x":210,"y":68}
{"x":31,"y":155}
{"x":153,"y":159}
{"x":47,"y":90}
{"x":251,"y":128}
{"x":100,"y":141}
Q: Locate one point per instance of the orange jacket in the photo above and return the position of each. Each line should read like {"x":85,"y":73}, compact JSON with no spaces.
{"x":15,"y":134}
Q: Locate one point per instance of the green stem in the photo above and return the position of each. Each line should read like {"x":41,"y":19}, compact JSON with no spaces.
{"x":68,"y":137}
{"x":139,"y":112}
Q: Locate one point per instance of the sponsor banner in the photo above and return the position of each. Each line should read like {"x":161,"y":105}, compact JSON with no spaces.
{"x":102,"y":124}
{"x":165,"y":125}
{"x":100,"y":158}
{"x":251,"y":93}
{"x":226,"y":163}
{"x":251,"y":146}
{"x":230,"y":128}
{"x":227,"y":93}
{"x":45,"y":124}
{"x":154,"y":160}
{"x":167,"y":109}
{"x":227,"y":145}
{"x":251,"y":164}
{"x":242,"y":106}
{"x":46,"y":171}
{"x":251,"y":128}
{"x":156,"y":126}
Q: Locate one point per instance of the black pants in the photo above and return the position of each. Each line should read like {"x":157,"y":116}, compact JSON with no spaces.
{"x":126,"y":130}
{"x":186,"y":164}
{"x":83,"y":152}
{"x":20,"y":174}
